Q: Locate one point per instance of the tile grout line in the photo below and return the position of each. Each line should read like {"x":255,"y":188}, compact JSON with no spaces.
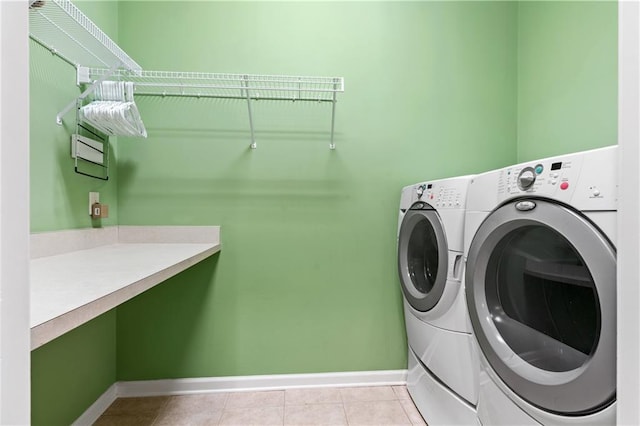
{"x":157,"y":412}
{"x":410,"y":400}
{"x":224,"y":408}
{"x":344,"y":408}
{"x":406,"y":413}
{"x":404,"y":410}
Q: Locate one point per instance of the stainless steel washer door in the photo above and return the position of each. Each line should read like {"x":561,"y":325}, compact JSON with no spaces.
{"x":422,"y":257}
{"x":541,"y":292}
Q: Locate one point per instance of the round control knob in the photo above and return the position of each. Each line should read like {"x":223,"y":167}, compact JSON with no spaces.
{"x":596,"y":192}
{"x":526,"y":178}
{"x":420,"y":190}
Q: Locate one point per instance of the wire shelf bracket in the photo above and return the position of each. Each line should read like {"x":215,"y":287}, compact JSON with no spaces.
{"x":253,"y":145}
{"x":75,"y":103}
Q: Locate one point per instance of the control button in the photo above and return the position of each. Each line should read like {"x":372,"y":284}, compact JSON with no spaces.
{"x":564,"y":185}
{"x":553,"y":182}
{"x":539,"y":169}
{"x":596,"y":192}
{"x":526,"y":178}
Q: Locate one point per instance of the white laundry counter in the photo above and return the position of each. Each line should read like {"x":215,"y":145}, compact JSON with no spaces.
{"x":78,"y":275}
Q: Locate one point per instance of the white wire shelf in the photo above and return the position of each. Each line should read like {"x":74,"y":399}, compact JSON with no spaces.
{"x":230,"y":86}
{"x":246,"y":87}
{"x":62,"y":28}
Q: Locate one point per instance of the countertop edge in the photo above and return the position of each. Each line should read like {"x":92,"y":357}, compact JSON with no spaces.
{"x":55,"y":327}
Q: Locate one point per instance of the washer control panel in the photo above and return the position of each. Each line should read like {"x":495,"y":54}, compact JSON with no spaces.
{"x":446,"y":194}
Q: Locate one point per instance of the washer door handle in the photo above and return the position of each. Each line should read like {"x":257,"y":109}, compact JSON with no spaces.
{"x":457,"y":266}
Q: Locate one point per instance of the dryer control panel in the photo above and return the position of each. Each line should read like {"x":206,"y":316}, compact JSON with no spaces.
{"x":539,"y":177}
{"x":588,"y":178}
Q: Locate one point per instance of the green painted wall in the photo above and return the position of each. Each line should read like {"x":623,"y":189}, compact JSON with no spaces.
{"x":71,"y":372}
{"x":59,"y":196}
{"x":567,"y":77}
{"x":306,"y":281}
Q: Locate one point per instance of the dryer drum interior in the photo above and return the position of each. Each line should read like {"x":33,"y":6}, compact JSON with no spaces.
{"x":541,"y":294}
{"x":537,"y":279}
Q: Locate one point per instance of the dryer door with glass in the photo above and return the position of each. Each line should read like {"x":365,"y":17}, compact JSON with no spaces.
{"x":541,"y":292}
{"x":422,"y":257}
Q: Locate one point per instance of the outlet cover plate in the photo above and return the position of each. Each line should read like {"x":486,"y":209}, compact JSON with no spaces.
{"x":94,"y":197}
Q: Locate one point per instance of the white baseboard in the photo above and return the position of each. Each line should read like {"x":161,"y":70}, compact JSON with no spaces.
{"x":96,"y":409}
{"x":238,"y":384}
{"x":266,"y":382}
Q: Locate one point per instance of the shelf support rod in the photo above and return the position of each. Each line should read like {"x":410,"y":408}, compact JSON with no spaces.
{"x":86,"y":93}
{"x":253,"y":138}
{"x":332,"y":144}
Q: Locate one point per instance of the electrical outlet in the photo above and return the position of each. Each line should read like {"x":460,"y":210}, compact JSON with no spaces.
{"x":94,"y":197}
{"x":96,"y":211}
{"x":99,"y":211}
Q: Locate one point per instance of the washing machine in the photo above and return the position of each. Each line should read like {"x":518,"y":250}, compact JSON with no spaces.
{"x":541,"y":289}
{"x":443,"y":363}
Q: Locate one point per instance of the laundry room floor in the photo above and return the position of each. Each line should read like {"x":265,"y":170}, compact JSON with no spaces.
{"x":376,"y":405}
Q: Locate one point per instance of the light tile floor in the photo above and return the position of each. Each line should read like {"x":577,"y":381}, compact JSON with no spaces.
{"x":379,"y":405}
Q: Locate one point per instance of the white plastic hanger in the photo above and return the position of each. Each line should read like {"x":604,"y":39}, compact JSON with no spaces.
{"x":114,"y":112}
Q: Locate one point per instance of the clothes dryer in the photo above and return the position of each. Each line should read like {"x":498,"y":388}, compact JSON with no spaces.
{"x":443,"y":359}
{"x":541,"y":289}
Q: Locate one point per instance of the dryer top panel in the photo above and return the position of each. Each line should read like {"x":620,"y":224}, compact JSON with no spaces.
{"x":586,"y":180}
